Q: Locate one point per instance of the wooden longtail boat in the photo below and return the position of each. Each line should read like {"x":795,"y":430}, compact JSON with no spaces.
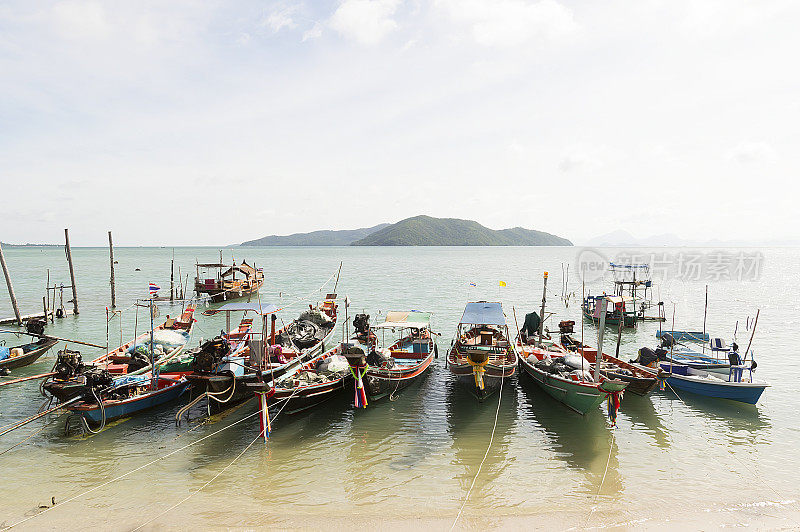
{"x":73,"y":378}
{"x":572,"y":387}
{"x":384,"y":372}
{"x":482,"y":356}
{"x":129,"y":396}
{"x":223,"y":285}
{"x":621,"y":310}
{"x":308,"y":386}
{"x":640,"y":381}
{"x":26,"y":354}
{"x":226,"y":379}
{"x":740,"y":386}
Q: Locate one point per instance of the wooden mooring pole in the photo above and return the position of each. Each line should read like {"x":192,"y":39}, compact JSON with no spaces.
{"x":111,"y":259}
{"x":10,"y":287}
{"x":71,"y":273}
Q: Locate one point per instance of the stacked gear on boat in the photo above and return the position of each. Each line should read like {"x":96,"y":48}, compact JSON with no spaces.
{"x":563,"y":367}
{"x":310,"y":328}
{"x":164,"y":342}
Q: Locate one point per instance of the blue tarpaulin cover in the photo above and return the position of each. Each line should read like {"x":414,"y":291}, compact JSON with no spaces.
{"x":483,"y":313}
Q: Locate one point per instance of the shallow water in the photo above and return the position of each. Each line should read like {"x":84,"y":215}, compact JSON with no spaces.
{"x":671,"y":461}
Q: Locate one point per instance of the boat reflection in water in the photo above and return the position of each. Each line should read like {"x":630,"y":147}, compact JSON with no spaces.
{"x":735,"y":422}
{"x":469,"y":425}
{"x":584,"y":443}
{"x":642,"y":415}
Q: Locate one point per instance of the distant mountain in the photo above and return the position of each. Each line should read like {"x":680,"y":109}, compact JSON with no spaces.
{"x":316,"y":238}
{"x":429,"y":231}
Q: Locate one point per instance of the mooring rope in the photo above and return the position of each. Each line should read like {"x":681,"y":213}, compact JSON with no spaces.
{"x":260,"y":434}
{"x":485,"y":455}
{"x":602,"y":481}
{"x":120,"y":477}
{"x":198,"y":490}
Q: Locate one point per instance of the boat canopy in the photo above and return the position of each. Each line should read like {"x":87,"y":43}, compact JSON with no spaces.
{"x":398,"y":319}
{"x":484,"y":313}
{"x":260,"y":308}
{"x":244,"y":268}
{"x":616,"y":300}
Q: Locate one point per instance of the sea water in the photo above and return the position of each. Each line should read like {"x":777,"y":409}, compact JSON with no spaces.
{"x":670,"y":461}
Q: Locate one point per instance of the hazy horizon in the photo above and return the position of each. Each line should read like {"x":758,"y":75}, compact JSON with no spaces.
{"x":199,"y":123}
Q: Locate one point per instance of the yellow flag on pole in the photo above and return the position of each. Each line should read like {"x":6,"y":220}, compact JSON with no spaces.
{"x":502,"y":283}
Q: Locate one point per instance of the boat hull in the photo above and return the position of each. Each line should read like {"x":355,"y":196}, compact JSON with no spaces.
{"x":31,"y":356}
{"x":380,"y":383}
{"x":291,"y":401}
{"x":492,"y":378}
{"x":581,"y":398}
{"x":129,"y":407}
{"x":219,"y":295}
{"x":744,"y":392}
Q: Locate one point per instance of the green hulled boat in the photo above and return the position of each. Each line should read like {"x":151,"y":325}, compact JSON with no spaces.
{"x":573,"y":387}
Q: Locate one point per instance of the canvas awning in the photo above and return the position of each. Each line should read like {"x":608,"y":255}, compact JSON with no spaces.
{"x":484,"y":313}
{"x":263,"y":308}
{"x":396,"y":319}
{"x":244,"y":268}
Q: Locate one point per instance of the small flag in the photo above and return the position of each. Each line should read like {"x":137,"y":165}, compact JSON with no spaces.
{"x":502,"y":283}
{"x":154,"y":288}
{"x":472,"y":284}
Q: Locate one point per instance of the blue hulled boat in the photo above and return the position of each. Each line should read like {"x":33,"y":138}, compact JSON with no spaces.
{"x":738,"y":387}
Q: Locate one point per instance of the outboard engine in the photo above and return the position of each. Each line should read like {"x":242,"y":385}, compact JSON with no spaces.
{"x":566,"y":327}
{"x":35,"y":326}
{"x":361,"y":326}
{"x":667,"y":340}
{"x":98,"y":378}
{"x":68,"y":364}
{"x":210,"y":354}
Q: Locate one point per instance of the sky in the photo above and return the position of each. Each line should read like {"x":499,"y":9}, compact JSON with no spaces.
{"x":210,"y":123}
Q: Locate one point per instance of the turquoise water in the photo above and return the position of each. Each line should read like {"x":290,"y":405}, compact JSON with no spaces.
{"x":670,"y":461}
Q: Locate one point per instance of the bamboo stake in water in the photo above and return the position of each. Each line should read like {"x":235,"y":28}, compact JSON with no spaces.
{"x":10,"y":287}
{"x":71,"y":273}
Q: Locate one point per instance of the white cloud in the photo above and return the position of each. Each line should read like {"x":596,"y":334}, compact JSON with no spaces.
{"x":749,"y":152}
{"x":511,"y":22}
{"x":365,"y":21}
{"x":281,"y":18}
{"x":314,"y":33}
